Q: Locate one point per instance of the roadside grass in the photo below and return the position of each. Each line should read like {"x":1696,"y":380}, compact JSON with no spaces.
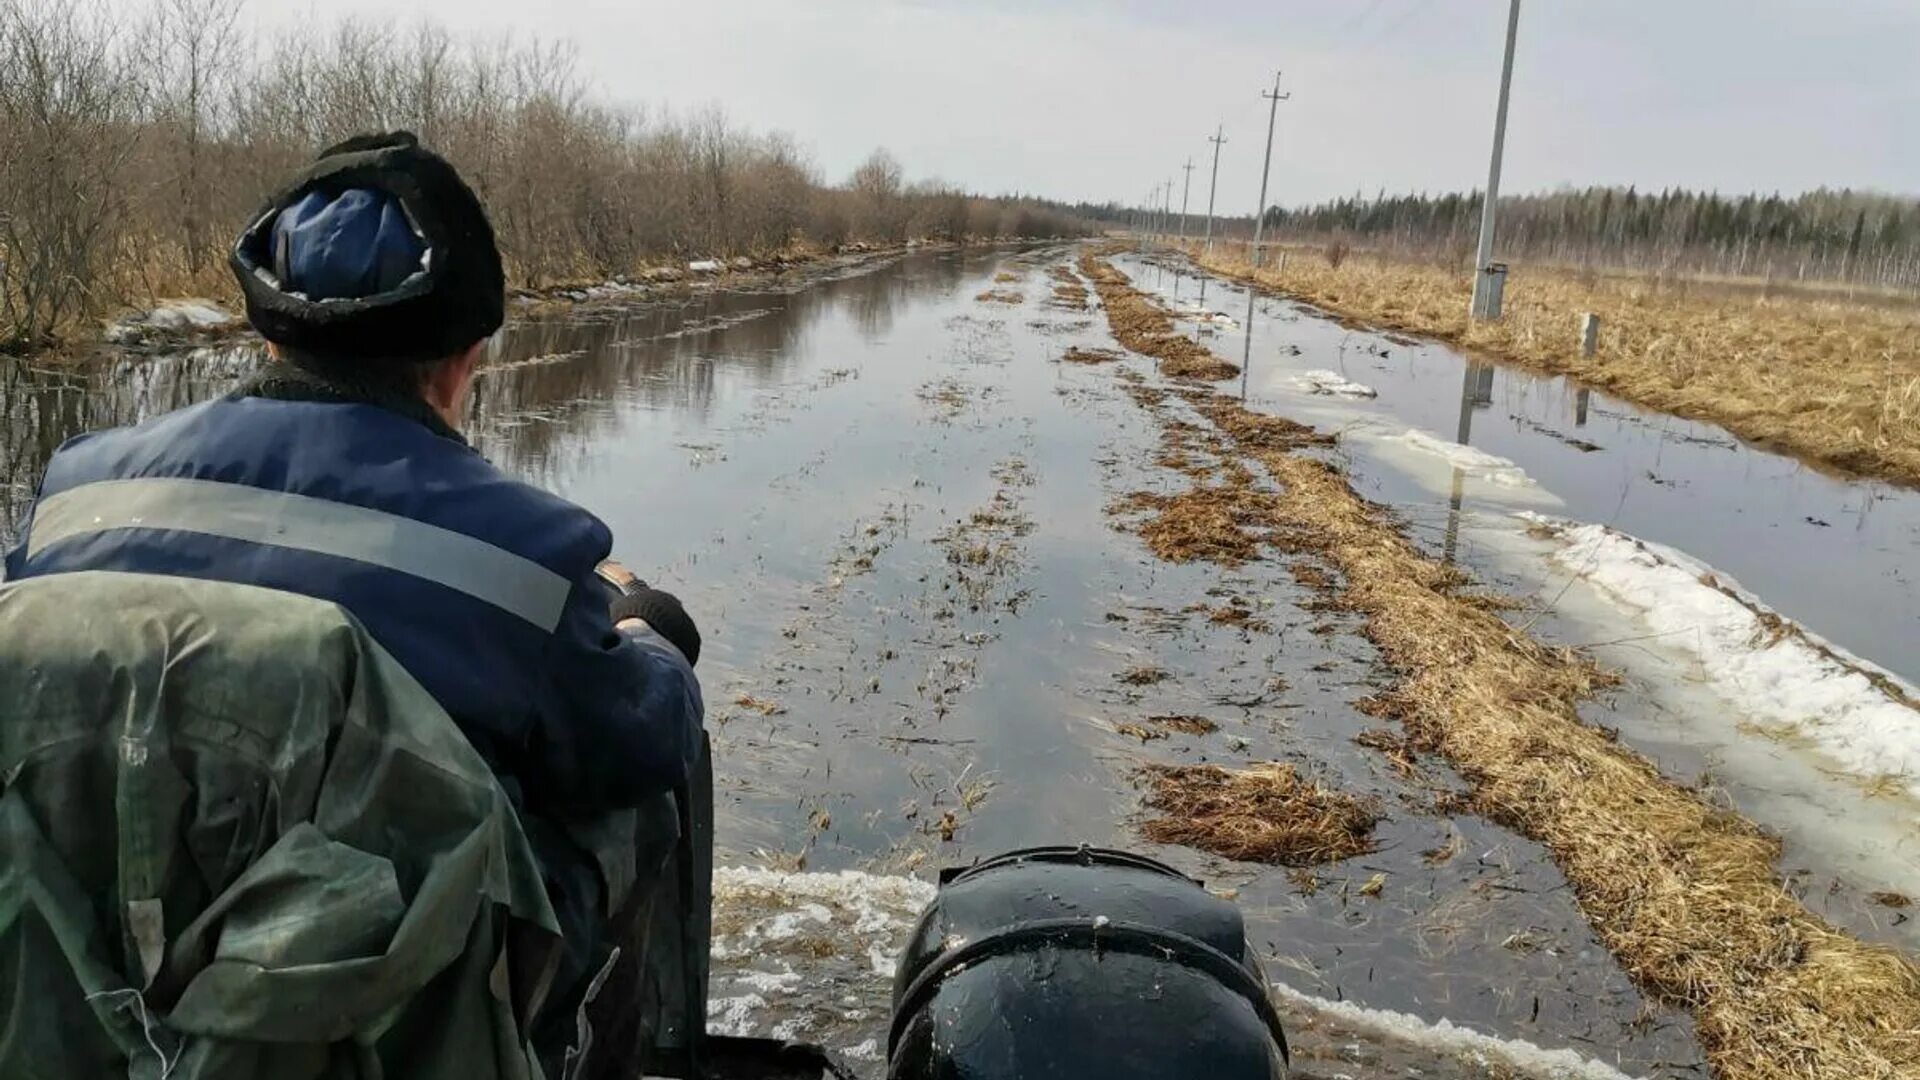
{"x":1810,"y":372}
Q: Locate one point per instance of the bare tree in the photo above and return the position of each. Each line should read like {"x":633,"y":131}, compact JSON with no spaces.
{"x":876,"y":185}
{"x":192,"y":45}
{"x":67,"y":100}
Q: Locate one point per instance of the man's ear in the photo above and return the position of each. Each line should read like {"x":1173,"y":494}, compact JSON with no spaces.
{"x":445,"y":384}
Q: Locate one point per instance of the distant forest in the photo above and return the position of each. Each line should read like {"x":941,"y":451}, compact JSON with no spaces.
{"x":1844,"y":236}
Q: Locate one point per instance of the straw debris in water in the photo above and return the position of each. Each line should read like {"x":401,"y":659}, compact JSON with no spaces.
{"x":1145,"y":327}
{"x":1266,"y":813}
{"x":1078,"y":355}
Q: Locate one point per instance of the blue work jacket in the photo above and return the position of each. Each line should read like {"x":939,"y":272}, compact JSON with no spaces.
{"x":481,"y":586}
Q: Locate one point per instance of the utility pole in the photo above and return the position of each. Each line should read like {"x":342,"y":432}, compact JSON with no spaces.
{"x":1167,"y":218}
{"x":1487,"y":290}
{"x":1185,"y":188}
{"x":1274,"y":98}
{"x":1213,"y":187}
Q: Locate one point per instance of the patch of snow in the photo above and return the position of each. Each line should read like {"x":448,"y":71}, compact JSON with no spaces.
{"x":185,"y":314}
{"x":194,"y":313}
{"x":613,"y":290}
{"x":1779,"y":675}
{"x":706,"y":266}
{"x":865,"y":1051}
{"x":1442,"y":1035}
{"x":1470,"y":460}
{"x":1331,"y":384}
{"x":1191,"y":309}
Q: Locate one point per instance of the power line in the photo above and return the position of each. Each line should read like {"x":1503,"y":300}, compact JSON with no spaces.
{"x":1393,"y":27}
{"x":1354,"y":23}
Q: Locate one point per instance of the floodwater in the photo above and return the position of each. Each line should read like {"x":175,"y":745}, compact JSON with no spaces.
{"x":1836,"y":556}
{"x":885,"y":502}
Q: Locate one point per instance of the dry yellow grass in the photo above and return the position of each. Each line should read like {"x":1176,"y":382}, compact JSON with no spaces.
{"x":1833,"y":382}
{"x":1078,"y":355}
{"x":1145,"y":327}
{"x":1684,"y":894}
{"x":1266,"y":813}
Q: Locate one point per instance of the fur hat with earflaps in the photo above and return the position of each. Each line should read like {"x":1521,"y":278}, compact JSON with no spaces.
{"x":378,"y":252}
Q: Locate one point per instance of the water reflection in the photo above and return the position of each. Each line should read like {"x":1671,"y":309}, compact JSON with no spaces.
{"x":1246,"y":352}
{"x":551,"y":388}
{"x":1476,"y":392}
{"x":43,"y":407}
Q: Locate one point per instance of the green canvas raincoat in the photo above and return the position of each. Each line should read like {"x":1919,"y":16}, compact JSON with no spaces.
{"x":238,"y":840}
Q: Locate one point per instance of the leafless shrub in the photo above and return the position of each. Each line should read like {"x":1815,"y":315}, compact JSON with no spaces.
{"x":128,"y":159}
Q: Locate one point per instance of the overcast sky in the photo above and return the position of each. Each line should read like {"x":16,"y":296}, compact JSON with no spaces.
{"x":1101,"y":100}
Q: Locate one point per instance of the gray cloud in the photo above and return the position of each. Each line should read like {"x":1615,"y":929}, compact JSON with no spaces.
{"x":1102,"y":100}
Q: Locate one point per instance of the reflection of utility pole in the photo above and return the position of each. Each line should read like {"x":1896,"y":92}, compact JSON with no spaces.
{"x":1486,"y":291}
{"x":1185,"y":189}
{"x":1476,"y":389}
{"x":1216,"y":139}
{"x":1266,"y":163}
{"x":1246,"y":354}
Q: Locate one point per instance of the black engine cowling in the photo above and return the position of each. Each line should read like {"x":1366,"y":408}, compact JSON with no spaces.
{"x":1067,"y":963}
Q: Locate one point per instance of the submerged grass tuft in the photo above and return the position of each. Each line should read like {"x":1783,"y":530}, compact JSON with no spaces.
{"x":1267,"y":813}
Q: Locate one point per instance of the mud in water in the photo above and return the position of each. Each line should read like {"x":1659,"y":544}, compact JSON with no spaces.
{"x":887,"y":503}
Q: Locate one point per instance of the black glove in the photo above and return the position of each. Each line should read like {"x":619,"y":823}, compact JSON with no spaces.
{"x":662,"y":611}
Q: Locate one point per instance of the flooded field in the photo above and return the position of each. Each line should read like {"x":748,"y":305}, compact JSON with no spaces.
{"x":886,"y":500}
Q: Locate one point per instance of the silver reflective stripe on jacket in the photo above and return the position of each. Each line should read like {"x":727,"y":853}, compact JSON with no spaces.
{"x":239,"y":512}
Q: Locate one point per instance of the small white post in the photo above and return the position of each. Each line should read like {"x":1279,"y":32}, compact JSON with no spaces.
{"x":1589,"y":333}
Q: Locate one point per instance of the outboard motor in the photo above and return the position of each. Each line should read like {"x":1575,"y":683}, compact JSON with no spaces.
{"x":1062,"y":963}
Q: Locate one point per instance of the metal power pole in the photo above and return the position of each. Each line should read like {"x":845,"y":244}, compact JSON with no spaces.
{"x":1185,"y":188}
{"x":1274,"y":98}
{"x":1216,"y":139}
{"x":1486,"y":290}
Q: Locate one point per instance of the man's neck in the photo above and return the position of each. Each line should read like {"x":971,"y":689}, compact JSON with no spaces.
{"x":279,"y":380}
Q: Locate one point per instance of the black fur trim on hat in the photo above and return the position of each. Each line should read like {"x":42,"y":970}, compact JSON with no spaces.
{"x":457,"y":300}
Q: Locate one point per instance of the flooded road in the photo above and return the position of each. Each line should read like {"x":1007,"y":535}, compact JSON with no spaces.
{"x":885,"y":500}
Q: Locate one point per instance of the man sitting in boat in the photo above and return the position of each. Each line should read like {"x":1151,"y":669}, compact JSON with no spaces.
{"x":339,"y":473}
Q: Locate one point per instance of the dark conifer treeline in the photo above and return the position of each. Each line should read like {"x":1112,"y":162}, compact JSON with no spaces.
{"x":1823,"y":235}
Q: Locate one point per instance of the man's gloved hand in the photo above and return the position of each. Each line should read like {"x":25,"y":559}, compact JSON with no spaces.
{"x":662,"y":611}
{"x":655,"y":607}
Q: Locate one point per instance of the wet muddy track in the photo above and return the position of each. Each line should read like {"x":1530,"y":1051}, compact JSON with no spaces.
{"x":888,"y":504}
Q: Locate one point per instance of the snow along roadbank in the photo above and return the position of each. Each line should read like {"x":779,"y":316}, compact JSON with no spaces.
{"x":1784,"y":680}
